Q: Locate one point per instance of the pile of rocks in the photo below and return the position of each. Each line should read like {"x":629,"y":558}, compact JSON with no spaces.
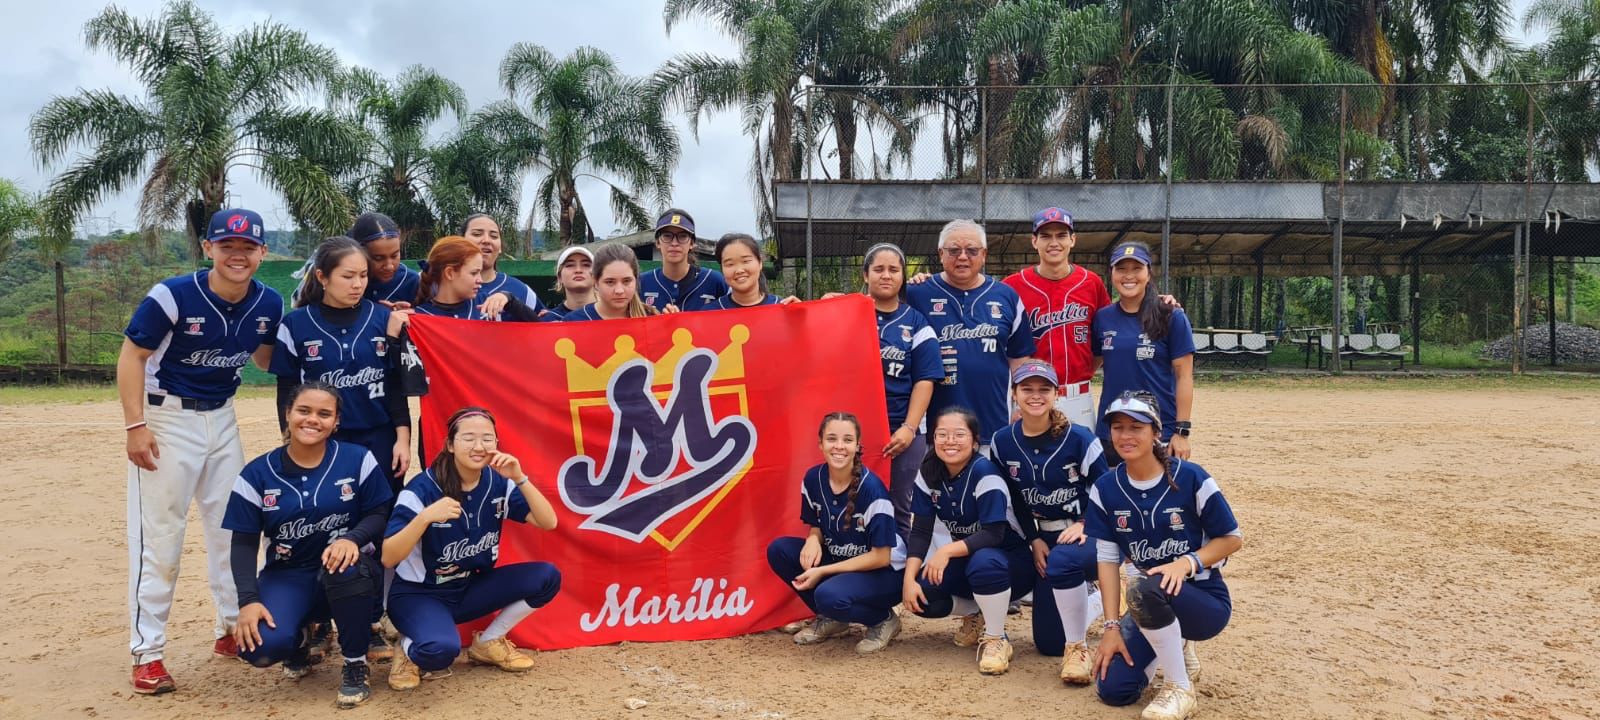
{"x":1575,"y":344}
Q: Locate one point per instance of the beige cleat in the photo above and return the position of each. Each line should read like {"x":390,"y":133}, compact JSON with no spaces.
{"x":500,"y":653}
{"x":795,"y":626}
{"x":994,"y":655}
{"x":819,"y":630}
{"x":1171,"y":703}
{"x":403,"y":674}
{"x":1191,"y":661}
{"x":970,"y":631}
{"x":1077,"y":667}
{"x":878,"y":636}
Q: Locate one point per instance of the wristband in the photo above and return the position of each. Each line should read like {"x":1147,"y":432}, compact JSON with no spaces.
{"x":1109,"y":624}
{"x":134,"y":426}
{"x":519,"y":483}
{"x":1195,"y":559}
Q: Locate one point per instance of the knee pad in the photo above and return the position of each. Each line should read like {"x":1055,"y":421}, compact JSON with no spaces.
{"x":939,"y":603}
{"x":364,"y":578}
{"x":1149,"y":604}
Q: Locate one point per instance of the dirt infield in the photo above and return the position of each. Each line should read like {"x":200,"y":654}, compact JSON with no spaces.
{"x":1411,"y":551}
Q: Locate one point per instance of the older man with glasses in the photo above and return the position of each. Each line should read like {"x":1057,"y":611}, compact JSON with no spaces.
{"x":982,"y":328}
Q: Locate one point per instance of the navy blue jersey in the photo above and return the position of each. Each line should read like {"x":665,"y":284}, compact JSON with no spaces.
{"x":199,"y":341}
{"x":511,"y":286}
{"x":1053,"y":473}
{"x":301,"y":514}
{"x":353,"y":359}
{"x":726,"y":302}
{"x":972,"y":499}
{"x":587,"y":312}
{"x":697,"y":292}
{"x":870,"y":525}
{"x":979,"y":331}
{"x":400,"y":288}
{"x":910,"y":354}
{"x":456,"y":549}
{"x":557,"y":313}
{"x":1155,"y":525}
{"x":1134,"y":362}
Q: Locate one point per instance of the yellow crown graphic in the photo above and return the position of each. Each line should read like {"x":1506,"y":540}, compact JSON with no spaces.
{"x":585,"y":378}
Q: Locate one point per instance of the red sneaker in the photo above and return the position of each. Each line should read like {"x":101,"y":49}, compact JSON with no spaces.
{"x":152,"y":678}
{"x":226,"y":647}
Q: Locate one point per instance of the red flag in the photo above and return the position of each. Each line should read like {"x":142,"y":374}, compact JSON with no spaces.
{"x":671,"y":447}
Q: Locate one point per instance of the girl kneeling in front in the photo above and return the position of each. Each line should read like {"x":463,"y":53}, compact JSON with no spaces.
{"x":443,"y":539}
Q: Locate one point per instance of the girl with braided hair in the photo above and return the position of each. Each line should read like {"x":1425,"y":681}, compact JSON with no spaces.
{"x":845,"y":568}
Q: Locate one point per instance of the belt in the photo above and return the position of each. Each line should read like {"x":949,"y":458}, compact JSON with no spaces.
{"x":186,"y":403}
{"x":1053,"y":525}
{"x":1076,"y":389}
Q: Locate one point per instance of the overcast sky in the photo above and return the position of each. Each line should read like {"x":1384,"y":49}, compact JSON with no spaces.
{"x":463,"y":40}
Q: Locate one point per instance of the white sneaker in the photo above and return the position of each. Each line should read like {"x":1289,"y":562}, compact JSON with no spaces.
{"x":1171,"y":703}
{"x":1077,"y":666}
{"x":971,"y":629}
{"x":878,"y":636}
{"x":819,"y":630}
{"x":994,"y":655}
{"x":1191,"y":662}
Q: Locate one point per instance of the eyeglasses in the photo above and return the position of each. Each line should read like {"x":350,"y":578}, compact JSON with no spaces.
{"x":470,"y":440}
{"x":943,"y":435}
{"x":955,"y":252}
{"x":675,"y":238}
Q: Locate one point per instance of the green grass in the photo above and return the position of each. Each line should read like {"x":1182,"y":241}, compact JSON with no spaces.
{"x":1435,"y":356}
{"x":58,"y":394}
{"x":1455,"y":382}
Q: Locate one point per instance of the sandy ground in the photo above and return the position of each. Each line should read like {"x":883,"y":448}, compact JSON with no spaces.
{"x":1431,"y":562}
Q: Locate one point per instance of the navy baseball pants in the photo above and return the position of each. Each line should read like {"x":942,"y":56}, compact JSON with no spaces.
{"x":427,"y":615}
{"x":852,"y":597}
{"x":296,"y":596}
{"x":986,"y":572}
{"x":1202,"y":610}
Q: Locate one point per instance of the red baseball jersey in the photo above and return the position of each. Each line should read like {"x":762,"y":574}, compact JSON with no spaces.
{"x":1059,"y":311}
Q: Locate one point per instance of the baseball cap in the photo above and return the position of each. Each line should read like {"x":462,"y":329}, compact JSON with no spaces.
{"x":1051,"y":215}
{"x":236,"y":223}
{"x":1134,"y":406}
{"x":562,"y":258}
{"x":675,"y":218}
{"x":1130,"y":250}
{"x":1032,"y":369}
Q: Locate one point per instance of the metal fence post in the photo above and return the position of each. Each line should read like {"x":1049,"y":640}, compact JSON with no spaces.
{"x":983,"y":155}
{"x":1338,"y":238}
{"x":810,"y":270}
{"x":1166,"y":214}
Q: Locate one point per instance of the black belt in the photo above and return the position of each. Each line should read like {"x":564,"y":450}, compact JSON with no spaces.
{"x":187,"y":403}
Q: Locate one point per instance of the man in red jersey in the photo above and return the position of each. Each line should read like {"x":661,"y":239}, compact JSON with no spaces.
{"x":1059,"y":299}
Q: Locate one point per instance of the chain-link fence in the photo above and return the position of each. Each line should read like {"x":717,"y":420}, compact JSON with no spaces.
{"x":1452,"y":215}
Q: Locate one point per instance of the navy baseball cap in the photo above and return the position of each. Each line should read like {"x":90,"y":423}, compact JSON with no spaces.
{"x":675,"y":218}
{"x":1135,"y":407}
{"x":1132,"y":251}
{"x":1051,"y":215}
{"x":236,"y":223}
{"x":1034,"y":369}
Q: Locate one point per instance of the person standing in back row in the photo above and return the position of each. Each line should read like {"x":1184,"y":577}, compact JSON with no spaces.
{"x":483,"y":230}
{"x":1060,"y":299}
{"x":176,"y":375}
{"x":982,"y":329}
{"x":679,"y":281}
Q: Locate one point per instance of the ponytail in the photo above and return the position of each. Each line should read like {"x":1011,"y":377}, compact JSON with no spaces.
{"x":451,"y":251}
{"x":1058,"y":423}
{"x":1160,"y":451}
{"x":323,"y":261}
{"x":856,"y":471}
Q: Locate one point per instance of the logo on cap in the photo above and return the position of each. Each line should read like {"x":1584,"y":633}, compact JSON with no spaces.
{"x":1127,"y":251}
{"x":676,"y":219}
{"x":237,"y":223}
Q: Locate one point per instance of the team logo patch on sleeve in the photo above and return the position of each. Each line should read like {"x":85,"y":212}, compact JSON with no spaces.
{"x":1122,"y":520}
{"x":995,"y":311}
{"x":938,"y":307}
{"x":1177,"y":520}
{"x":347,"y":489}
{"x":905,"y":333}
{"x":196,"y":326}
{"x":1014,"y":467}
{"x":314,"y":350}
{"x":380,"y":345}
{"x":269,"y":499}
{"x":262,"y":325}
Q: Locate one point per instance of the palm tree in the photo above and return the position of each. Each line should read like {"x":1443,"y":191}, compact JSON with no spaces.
{"x":1567,"y":115}
{"x":784,"y":48}
{"x":578,"y":117}
{"x":214,"y":103}
{"x":17,"y":216}
{"x":405,"y":176}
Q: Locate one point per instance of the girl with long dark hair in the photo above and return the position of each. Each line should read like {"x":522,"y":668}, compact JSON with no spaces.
{"x":1145,"y":344}
{"x":843,"y":569}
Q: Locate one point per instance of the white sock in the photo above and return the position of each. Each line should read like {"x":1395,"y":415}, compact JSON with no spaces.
{"x":356,"y":661}
{"x":1091,"y":608}
{"x":962,"y":607}
{"x":1070,"y":604}
{"x":512,"y":614}
{"x":993,"y":608}
{"x":1168,"y":644}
